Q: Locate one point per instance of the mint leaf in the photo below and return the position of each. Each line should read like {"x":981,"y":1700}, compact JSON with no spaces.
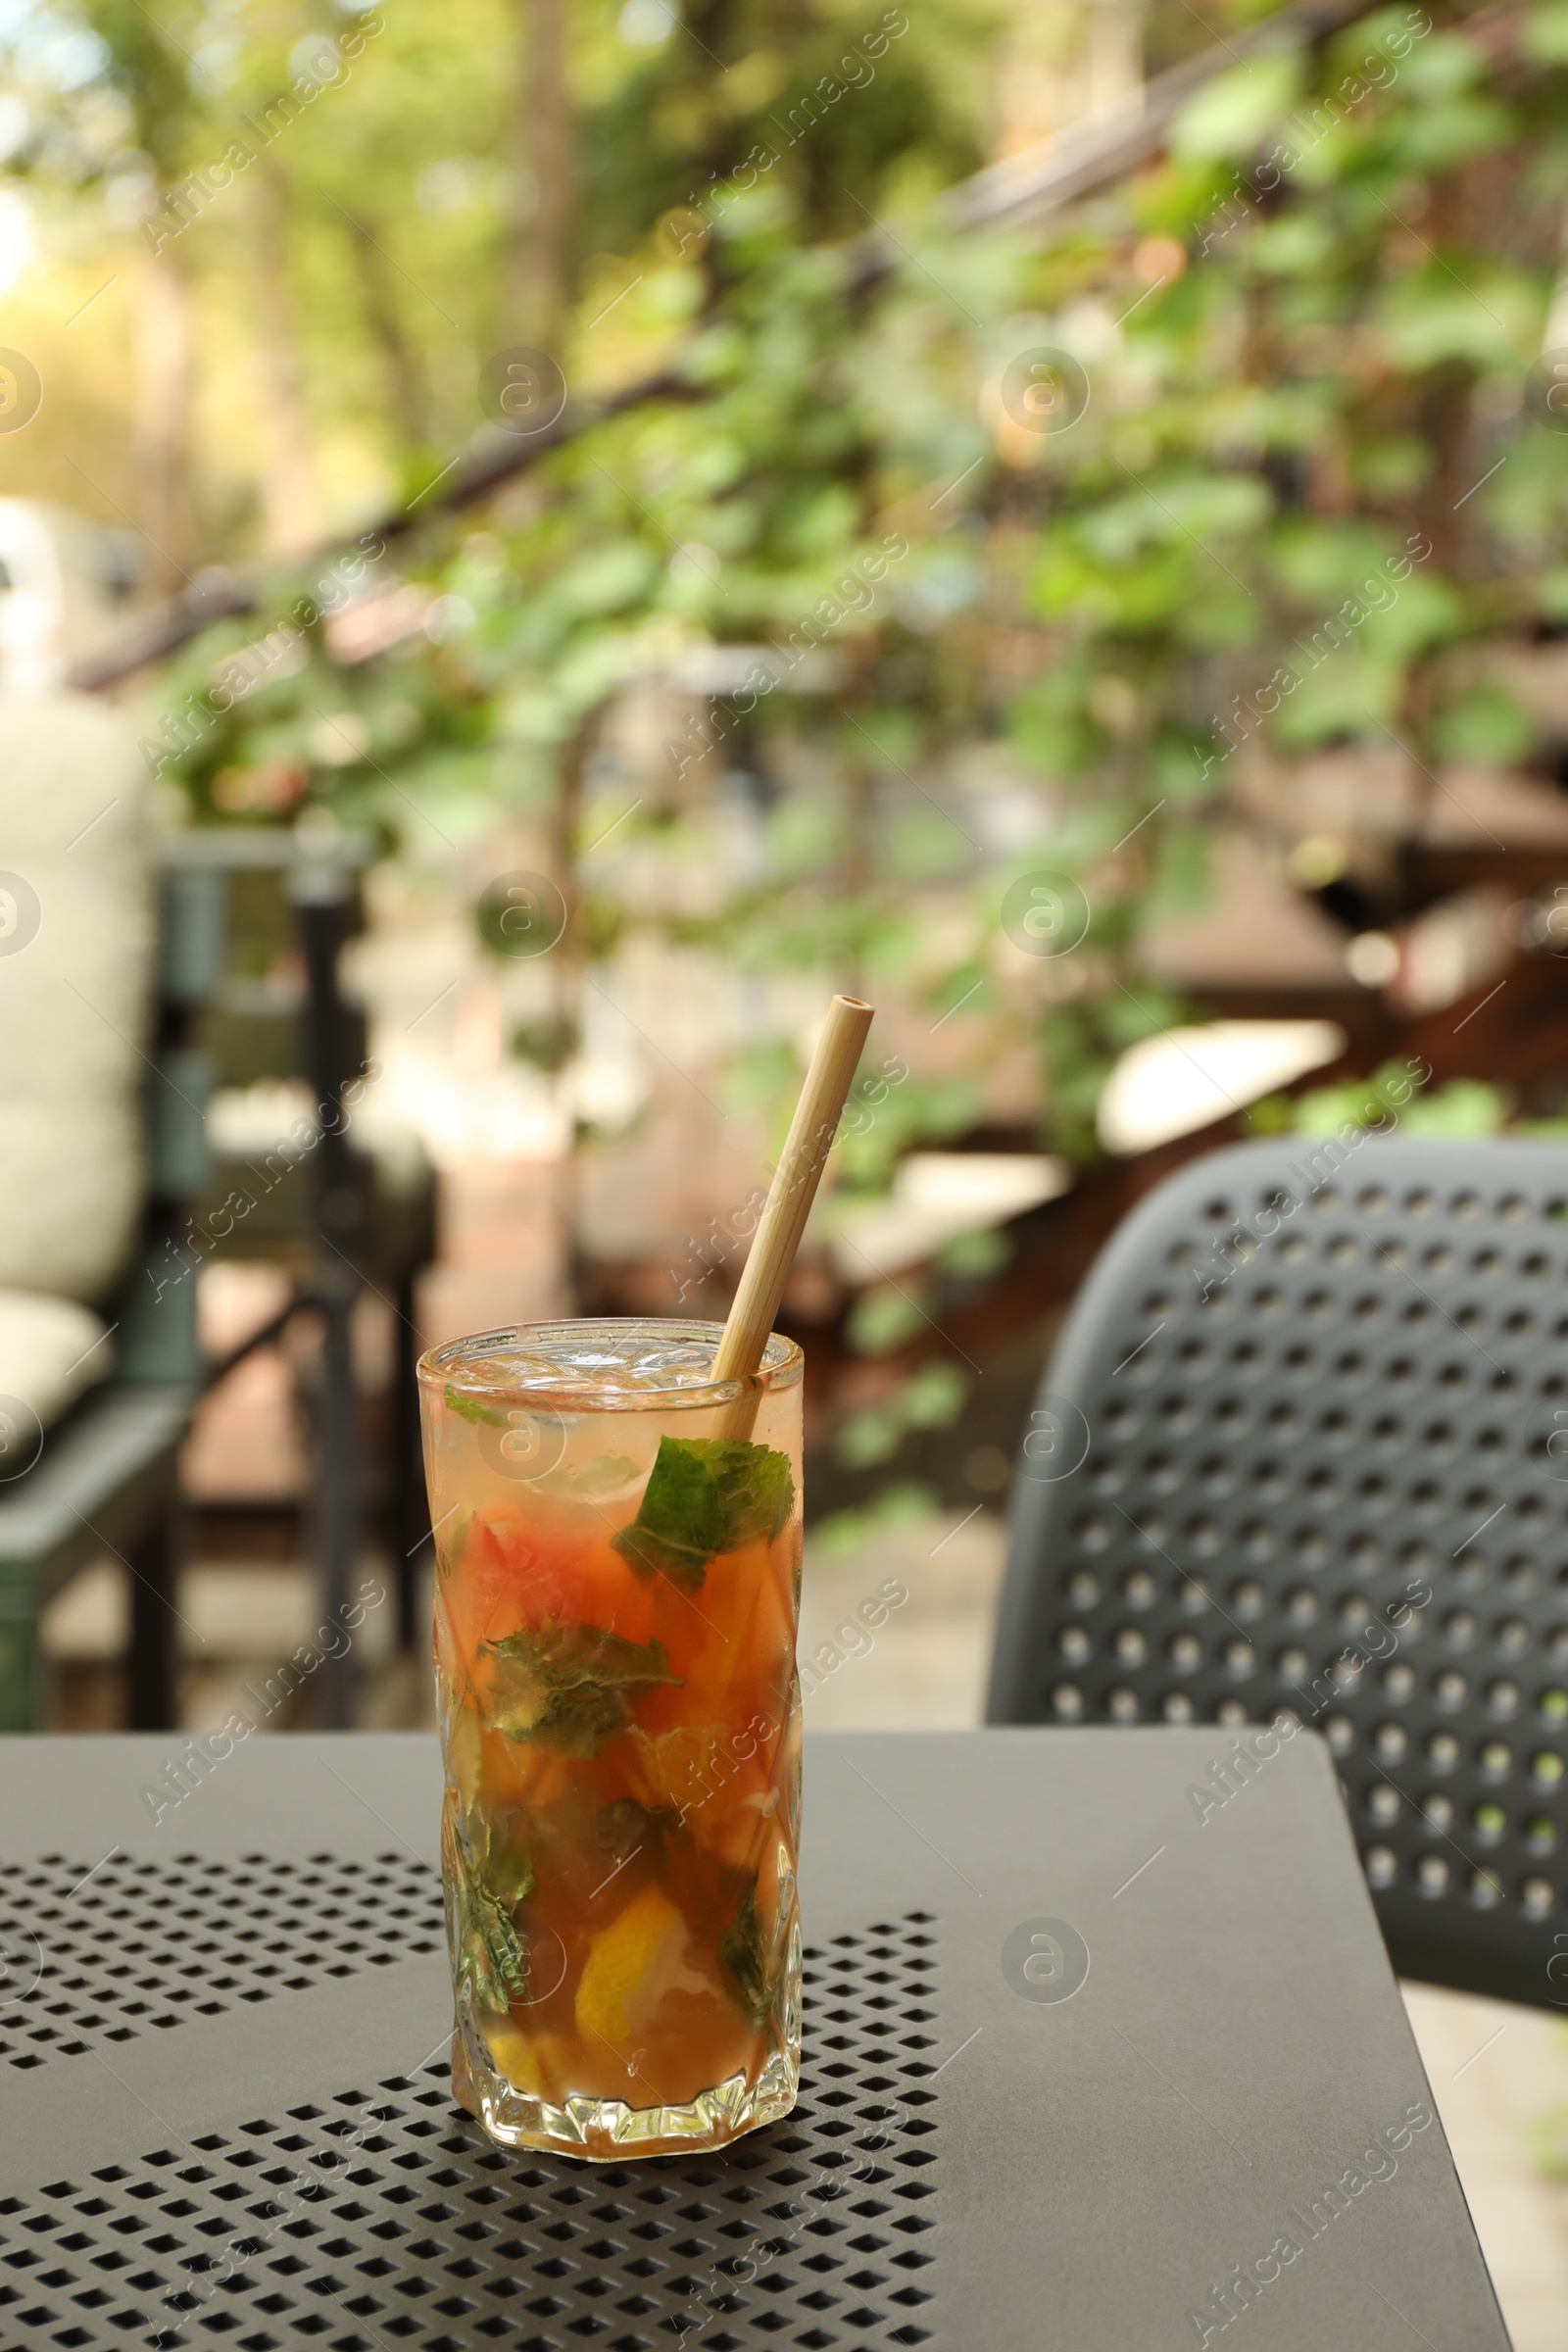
{"x":448,"y":1543}
{"x":755,"y":1490}
{"x":567,"y":1688}
{"x":471,"y":1410}
{"x":745,"y":1957}
{"x":496,"y":1964}
{"x":494,"y":1958}
{"x":505,"y":1874}
{"x":706,"y":1496}
{"x":679,"y":1525}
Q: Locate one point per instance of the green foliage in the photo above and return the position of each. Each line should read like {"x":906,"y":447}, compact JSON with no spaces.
{"x":933,"y":1397}
{"x":1465,"y":1106}
{"x":1546,"y":2134}
{"x":1307,"y":495}
{"x":973,"y":1255}
{"x":1231,"y":117}
{"x":881,"y":1320}
{"x":928,"y":1399}
{"x":869,"y":1439}
{"x":905,"y":1503}
{"x":1485,"y":724}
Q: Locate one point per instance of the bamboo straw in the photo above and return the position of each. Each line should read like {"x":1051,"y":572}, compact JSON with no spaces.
{"x":789,"y":1203}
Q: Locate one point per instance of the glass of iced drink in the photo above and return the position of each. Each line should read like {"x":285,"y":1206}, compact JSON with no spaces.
{"x":616,"y":1591}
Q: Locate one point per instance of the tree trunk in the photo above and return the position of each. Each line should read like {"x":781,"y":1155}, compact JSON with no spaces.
{"x":1113,"y":59}
{"x":403,"y":374}
{"x":291,"y":517}
{"x":546,"y":177}
{"x":1060,"y":63}
{"x":162,"y":423}
{"x":568,"y":969}
{"x":566,"y":816}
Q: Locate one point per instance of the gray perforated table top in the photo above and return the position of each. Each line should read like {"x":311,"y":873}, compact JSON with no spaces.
{"x":1082,"y":2071}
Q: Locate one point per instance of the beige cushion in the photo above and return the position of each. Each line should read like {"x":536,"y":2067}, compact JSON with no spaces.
{"x":51,"y":1350}
{"x":72,"y":993}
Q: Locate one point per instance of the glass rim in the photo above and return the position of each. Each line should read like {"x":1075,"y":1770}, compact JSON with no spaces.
{"x":782,"y":1366}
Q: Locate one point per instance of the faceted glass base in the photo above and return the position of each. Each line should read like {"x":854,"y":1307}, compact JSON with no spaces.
{"x":609,"y":2131}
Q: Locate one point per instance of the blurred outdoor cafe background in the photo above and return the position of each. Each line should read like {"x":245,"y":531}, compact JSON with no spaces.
{"x":537,"y":541}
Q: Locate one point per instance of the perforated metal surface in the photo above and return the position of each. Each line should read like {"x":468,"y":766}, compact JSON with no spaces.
{"x":1235,"y":2042}
{"x":381,"y":2214}
{"x":1313,"y":1395}
{"x":137,"y":1947}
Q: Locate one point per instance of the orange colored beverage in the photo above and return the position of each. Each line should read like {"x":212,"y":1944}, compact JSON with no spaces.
{"x":616,"y":1593}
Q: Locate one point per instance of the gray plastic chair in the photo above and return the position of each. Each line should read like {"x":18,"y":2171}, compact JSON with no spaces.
{"x":1304,"y":1446}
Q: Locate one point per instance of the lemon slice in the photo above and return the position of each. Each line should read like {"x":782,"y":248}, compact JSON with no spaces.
{"x":631,"y":1967}
{"x":526,"y":2060}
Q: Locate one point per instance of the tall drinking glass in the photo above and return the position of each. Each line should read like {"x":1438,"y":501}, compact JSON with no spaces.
{"x":617,"y":1593}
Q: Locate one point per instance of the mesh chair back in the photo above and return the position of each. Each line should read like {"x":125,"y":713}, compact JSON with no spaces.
{"x":1305,"y":1447}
